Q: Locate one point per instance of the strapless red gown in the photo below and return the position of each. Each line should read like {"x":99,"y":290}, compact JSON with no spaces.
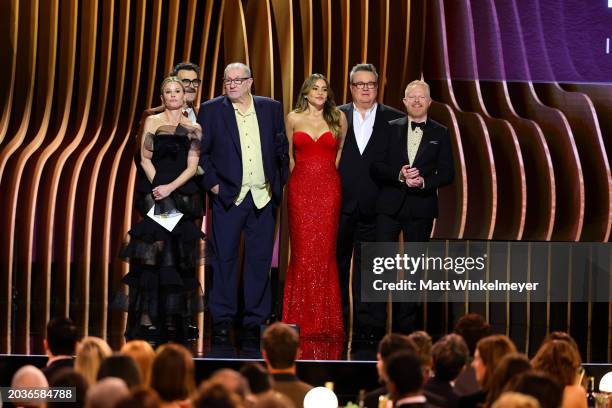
{"x":312,"y":292}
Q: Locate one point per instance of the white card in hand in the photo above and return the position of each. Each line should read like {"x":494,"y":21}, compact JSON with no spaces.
{"x":168,"y":221}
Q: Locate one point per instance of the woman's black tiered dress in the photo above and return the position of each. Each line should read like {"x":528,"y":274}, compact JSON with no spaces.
{"x":164,"y":292}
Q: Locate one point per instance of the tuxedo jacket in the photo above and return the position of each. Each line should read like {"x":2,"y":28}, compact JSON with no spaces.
{"x":221,"y":155}
{"x":358,"y":188}
{"x":434,"y":159}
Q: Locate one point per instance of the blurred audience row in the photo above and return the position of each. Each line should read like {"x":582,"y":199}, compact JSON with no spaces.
{"x":469,"y":368}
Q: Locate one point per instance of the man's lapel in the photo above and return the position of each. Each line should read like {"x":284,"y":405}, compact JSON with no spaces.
{"x":349,"y":116}
{"x":427,"y":136}
{"x":261,"y":121}
{"x":229,"y":117}
{"x":351,"y":138}
{"x":402,"y":128}
{"x":378,"y":125}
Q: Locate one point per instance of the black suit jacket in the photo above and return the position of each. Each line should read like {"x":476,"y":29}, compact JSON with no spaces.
{"x":371,"y":398}
{"x":444,"y":390}
{"x":358,"y":188}
{"x":56,"y":366}
{"x":221,"y":155}
{"x":434,"y":159}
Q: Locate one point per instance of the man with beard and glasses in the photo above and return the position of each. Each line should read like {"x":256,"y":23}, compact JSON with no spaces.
{"x":189,"y":73}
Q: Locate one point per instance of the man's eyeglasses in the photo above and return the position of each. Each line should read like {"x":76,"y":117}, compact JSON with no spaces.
{"x":365,"y":85}
{"x":191,"y":82}
{"x":237,"y":81}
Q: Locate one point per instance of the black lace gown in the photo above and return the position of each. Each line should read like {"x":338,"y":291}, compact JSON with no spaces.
{"x":164,"y":292}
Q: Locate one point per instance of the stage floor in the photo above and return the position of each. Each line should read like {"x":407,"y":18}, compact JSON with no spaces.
{"x":310,"y":349}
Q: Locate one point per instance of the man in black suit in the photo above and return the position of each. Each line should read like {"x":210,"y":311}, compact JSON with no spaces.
{"x":404,"y":373}
{"x":60,"y":345}
{"x":368,"y":130}
{"x":244,"y":155}
{"x":449,"y":355}
{"x":389,"y":345}
{"x":417,"y":161}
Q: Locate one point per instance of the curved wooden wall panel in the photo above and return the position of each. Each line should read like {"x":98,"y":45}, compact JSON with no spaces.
{"x":27,"y":46}
{"x":397,"y":55}
{"x":569,"y":206}
{"x":116,"y":186}
{"x":87,"y":70}
{"x":235,"y":40}
{"x":581,"y":115}
{"x":34,"y":137}
{"x":453,"y":199}
{"x":9,"y":17}
{"x":258,"y":18}
{"x":39,"y":285}
{"x":540,"y":183}
{"x":475,"y":140}
{"x":8,"y":46}
{"x":84,"y":140}
{"x":507,"y":158}
{"x":306,"y":18}
{"x":171,"y":33}
{"x":206,"y":31}
{"x":120,"y":268}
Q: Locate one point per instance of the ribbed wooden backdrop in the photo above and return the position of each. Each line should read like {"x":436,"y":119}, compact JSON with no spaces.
{"x":532,"y":160}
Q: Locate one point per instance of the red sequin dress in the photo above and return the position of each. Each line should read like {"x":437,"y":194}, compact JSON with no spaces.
{"x":312,"y":292}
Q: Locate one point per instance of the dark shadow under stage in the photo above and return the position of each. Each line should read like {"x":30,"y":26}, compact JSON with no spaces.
{"x":349,"y":377}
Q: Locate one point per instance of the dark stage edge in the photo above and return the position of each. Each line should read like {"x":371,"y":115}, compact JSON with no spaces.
{"x":349,"y":377}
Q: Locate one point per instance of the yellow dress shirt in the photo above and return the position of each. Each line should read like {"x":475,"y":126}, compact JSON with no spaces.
{"x":253,"y":177}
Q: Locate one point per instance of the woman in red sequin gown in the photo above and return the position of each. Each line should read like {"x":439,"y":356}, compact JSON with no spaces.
{"x":312,"y":300}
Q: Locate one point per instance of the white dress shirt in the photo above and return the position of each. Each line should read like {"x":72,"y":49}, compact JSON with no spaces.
{"x":362,"y":126}
{"x":190,"y":114}
{"x":417,"y":399}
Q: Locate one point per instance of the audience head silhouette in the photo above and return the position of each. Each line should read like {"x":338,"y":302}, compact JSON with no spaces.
{"x":280,"y":344}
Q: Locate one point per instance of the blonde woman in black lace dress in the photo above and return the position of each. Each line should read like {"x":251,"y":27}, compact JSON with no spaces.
{"x":165,"y":294}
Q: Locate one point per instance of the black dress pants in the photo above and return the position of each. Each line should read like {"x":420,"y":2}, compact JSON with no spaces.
{"x":354,"y":228}
{"x":388,"y":228}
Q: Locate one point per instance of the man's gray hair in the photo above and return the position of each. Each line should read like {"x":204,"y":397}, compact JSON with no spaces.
{"x":106,"y":393}
{"x":363,"y":67}
{"x":29,"y":376}
{"x":416,"y":83}
{"x":233,"y":380}
{"x":238,"y":65}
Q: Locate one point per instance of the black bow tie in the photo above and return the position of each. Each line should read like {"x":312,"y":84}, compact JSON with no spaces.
{"x":415,"y":125}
